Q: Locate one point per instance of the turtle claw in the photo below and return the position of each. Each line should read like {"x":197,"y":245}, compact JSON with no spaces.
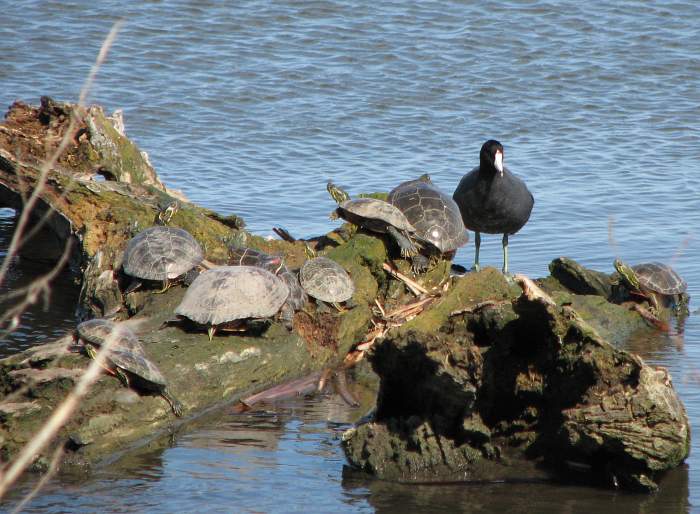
{"x":175,"y":405}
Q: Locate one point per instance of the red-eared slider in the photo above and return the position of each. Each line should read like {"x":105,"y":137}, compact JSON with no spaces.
{"x":161,"y":253}
{"x":243,"y":256}
{"x":375,"y":215}
{"x":657,"y":282}
{"x":493,"y":200}
{"x":435,"y":216}
{"x":326,"y":280}
{"x":127,"y":357}
{"x":230,"y":293}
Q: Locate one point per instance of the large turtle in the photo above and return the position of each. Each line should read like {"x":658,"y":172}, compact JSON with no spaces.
{"x":326,"y":280}
{"x":161,"y":253}
{"x":230,"y":293}
{"x":127,"y":357}
{"x":657,"y":282}
{"x":435,"y":216}
{"x":244,"y":256}
{"x":375,"y":215}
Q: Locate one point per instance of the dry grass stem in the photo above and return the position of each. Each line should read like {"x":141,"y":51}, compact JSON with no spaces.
{"x":50,"y":472}
{"x":63,"y":412}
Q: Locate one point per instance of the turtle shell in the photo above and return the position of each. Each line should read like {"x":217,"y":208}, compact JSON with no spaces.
{"x":97,"y":331}
{"x":229,"y":293}
{"x":161,"y":253}
{"x":434,"y":214}
{"x":660,"y":278}
{"x":326,"y":280}
{"x":242,"y":256}
{"x":374,"y":209}
{"x":125,"y":352}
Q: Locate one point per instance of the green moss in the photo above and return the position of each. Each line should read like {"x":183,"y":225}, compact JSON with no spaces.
{"x":488,"y":284}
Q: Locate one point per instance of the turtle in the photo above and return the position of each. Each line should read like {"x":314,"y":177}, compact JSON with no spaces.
{"x":161,"y":253}
{"x":230,"y":293}
{"x":240,"y":255}
{"x":127,"y":357}
{"x":326,"y":280}
{"x":375,"y":215}
{"x":657,"y":282}
{"x":439,"y":228}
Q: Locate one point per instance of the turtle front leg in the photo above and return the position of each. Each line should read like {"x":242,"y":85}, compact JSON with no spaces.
{"x":123,"y":377}
{"x":175,"y":405}
{"x":408,"y":247}
{"x":166,"y":285}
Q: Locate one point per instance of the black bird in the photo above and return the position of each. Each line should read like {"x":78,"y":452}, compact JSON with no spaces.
{"x":492,"y":199}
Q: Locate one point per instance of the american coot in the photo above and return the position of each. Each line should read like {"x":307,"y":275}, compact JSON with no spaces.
{"x":492,"y":199}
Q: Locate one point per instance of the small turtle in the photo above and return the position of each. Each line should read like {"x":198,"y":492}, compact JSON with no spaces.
{"x":230,"y":293}
{"x":161,"y":253}
{"x":127,"y":357}
{"x":434,"y":215}
{"x":375,"y":215}
{"x":656,"y":282}
{"x":326,"y":280}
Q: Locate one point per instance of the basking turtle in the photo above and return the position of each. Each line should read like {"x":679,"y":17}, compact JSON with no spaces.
{"x":438,"y":223}
{"x":657,"y":282}
{"x":127,"y":357}
{"x":161,"y":253}
{"x":326,"y":280}
{"x":230,"y":293}
{"x":243,"y":256}
{"x":375,"y":215}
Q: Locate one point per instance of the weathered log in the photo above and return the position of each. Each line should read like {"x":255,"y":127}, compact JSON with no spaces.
{"x":485,"y":376}
{"x":100,"y":216}
{"x":522,"y":380}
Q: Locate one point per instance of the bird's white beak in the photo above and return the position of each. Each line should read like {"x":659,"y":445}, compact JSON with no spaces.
{"x":498,"y":161}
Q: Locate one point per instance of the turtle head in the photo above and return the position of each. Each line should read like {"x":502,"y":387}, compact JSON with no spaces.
{"x":627,"y":274}
{"x":309,"y":252}
{"x":336,"y":193}
{"x":491,"y":156}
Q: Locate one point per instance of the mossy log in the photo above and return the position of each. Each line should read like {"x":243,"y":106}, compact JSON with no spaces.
{"x":483,"y":378}
{"x":99,"y":193}
{"x":512,"y":380}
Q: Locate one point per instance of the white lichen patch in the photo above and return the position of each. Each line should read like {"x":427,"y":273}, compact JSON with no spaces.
{"x":247,"y":353}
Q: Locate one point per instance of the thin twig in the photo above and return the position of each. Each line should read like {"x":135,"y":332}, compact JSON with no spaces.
{"x":414,"y":286}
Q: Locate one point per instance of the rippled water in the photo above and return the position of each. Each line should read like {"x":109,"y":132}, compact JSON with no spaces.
{"x":249,"y":108}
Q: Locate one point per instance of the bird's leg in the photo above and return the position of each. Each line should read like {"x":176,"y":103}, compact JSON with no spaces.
{"x":505,"y":254}
{"x":477,"y":244}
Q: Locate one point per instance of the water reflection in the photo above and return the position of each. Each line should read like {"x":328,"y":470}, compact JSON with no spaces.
{"x":52,"y":315}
